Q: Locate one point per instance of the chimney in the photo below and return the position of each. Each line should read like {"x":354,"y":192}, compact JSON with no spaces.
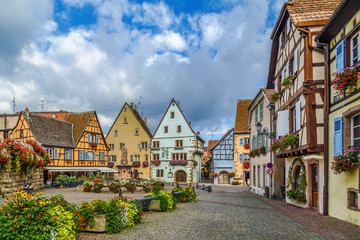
{"x":132,"y":105}
{"x":27,"y":112}
{"x":145,"y":120}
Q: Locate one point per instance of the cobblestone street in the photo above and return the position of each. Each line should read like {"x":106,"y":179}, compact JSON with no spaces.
{"x":231,"y":212}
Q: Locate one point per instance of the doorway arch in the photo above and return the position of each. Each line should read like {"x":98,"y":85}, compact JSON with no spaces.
{"x":180,"y":176}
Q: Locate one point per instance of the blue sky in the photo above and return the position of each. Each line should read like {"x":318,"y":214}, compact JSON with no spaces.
{"x":81,"y":55}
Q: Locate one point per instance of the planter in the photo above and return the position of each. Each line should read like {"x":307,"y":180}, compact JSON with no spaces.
{"x":155,"y":205}
{"x":99,"y":225}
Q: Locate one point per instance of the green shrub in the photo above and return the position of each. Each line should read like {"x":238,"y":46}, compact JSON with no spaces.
{"x":82,"y":179}
{"x":72,"y":179}
{"x":64,"y":226}
{"x":61,"y":179}
{"x":115,"y":187}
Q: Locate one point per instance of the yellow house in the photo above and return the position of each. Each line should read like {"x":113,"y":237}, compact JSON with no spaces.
{"x":130,"y":136}
{"x":341,"y":37}
{"x":242,"y":143}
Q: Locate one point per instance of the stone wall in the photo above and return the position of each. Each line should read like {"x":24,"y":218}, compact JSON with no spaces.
{"x":11,"y":182}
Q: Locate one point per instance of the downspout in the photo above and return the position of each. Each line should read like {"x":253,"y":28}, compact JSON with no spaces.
{"x":271,"y":107}
{"x":326,"y":132}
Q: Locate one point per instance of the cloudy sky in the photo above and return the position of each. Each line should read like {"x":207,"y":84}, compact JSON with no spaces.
{"x":81,"y":55}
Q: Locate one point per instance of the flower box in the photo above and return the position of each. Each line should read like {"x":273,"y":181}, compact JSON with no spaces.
{"x":136,"y":164}
{"x":99,"y":225}
{"x":156,"y":162}
{"x":111,"y":164}
{"x":178,"y":162}
{"x":145,"y":164}
{"x":247,"y":146}
{"x":93,"y":145}
{"x":246,"y":164}
{"x":276,"y":96}
{"x":345,"y":80}
{"x":346,"y":162}
{"x":287,"y":81}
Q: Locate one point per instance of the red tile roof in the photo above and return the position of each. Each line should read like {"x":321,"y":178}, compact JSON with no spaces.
{"x":242,"y":115}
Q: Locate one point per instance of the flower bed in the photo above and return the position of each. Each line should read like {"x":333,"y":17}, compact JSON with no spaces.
{"x":344,"y":79}
{"x":131,"y":187}
{"x":178,"y":162}
{"x":187,"y":195}
{"x":346,"y":162}
{"x":23,"y":156}
{"x":147,"y":187}
{"x":115,"y":187}
{"x":290,"y":140}
{"x":167,"y":201}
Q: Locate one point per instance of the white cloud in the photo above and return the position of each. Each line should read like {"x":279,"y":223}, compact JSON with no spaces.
{"x":211,"y":27}
{"x":170,"y":40}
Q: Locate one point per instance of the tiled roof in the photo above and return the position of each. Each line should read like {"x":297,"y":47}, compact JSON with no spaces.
{"x":212,"y":143}
{"x":50,"y":131}
{"x":141,"y":121}
{"x":58,"y":114}
{"x":268,"y":93}
{"x":79,"y":121}
{"x":311,"y":10}
{"x":242,"y":114}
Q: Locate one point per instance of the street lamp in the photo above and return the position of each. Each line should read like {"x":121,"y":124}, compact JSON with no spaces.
{"x":270,"y":135}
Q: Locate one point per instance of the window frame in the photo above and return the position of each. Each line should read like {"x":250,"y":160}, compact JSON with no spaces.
{"x":178,"y":129}
{"x":352,"y":130}
{"x":166,"y":129}
{"x":172,"y":115}
{"x":159,"y":172}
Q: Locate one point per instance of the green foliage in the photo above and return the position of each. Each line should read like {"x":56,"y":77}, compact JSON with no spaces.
{"x":97,"y":186}
{"x":61,"y":179}
{"x":64,"y":226}
{"x":72,"y":179}
{"x":290,"y":140}
{"x":82,"y":179}
{"x":287,"y":81}
{"x":115,"y":187}
{"x":167,"y":201}
{"x":130,"y":186}
{"x":87,"y":186}
{"x":276,"y":96}
{"x":346,"y":162}
{"x":297,"y":194}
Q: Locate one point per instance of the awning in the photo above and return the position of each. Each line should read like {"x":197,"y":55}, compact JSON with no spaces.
{"x":80,"y":169}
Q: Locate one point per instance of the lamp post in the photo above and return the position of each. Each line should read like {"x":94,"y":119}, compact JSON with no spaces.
{"x":271,"y":135}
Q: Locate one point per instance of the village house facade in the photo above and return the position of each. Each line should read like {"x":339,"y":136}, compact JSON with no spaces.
{"x":223,"y":159}
{"x":242,"y":143}
{"x":297,"y":74}
{"x":75,"y":146}
{"x":174,"y":140}
{"x":7,"y":123}
{"x":129,"y":131}
{"x":341,"y":38}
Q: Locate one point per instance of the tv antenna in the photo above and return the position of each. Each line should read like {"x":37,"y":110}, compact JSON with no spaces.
{"x":14,"y":104}
{"x":42,"y":104}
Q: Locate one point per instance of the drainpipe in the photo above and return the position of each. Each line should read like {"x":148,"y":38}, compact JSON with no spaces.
{"x":326,"y":132}
{"x":271,"y":107}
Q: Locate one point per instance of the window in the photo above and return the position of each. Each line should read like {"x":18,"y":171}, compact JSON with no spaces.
{"x":178,"y":143}
{"x":125,"y":120}
{"x":116,"y":133}
{"x":241,"y":157}
{"x":338,"y":136}
{"x":88,"y":155}
{"x":166,"y":129}
{"x":261,"y":137}
{"x":160,"y":173}
{"x":97,"y":139}
{"x":172,"y":115}
{"x":179,"y":156}
{"x":264,"y":175}
{"x":246,"y":157}
{"x":146,"y":157}
{"x":247,"y":140}
{"x":136,"y":158}
{"x":111,"y":147}
{"x":21,"y":133}
{"x":254,"y":175}
{"x":144,"y":145}
{"x":101,"y":156}
{"x":256,"y":115}
{"x":258,"y":174}
{"x":122,"y":145}
{"x":297,"y":178}
{"x":352,"y":196}
{"x":156,"y":156}
{"x":89,"y":137}
{"x":293,"y":124}
{"x":67,"y":154}
{"x":241,"y":141}
{"x":261,"y":111}
{"x":136,"y":132}
{"x":355,"y":133}
{"x":266,"y":138}
{"x":355,"y":50}
{"x":113,"y":158}
{"x":125,"y":109}
{"x":81,"y":155}
{"x":56,"y":153}
{"x":94,"y":156}
{"x":255,"y":142}
{"x":49,"y":151}
{"x":131,"y":158}
{"x":340,"y":56}
{"x":179,"y":128}
{"x":156,"y":144}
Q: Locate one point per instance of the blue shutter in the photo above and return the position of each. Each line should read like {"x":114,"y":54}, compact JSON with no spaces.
{"x":241,"y":157}
{"x":340,"y":56}
{"x":241,"y":141}
{"x":338,"y":136}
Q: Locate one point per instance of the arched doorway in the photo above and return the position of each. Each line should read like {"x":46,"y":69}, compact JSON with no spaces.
{"x":180,"y":176}
{"x":224,"y":178}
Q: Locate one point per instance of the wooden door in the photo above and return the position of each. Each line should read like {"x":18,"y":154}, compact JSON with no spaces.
{"x":315,"y":181}
{"x":180,"y":176}
{"x":224,"y":178}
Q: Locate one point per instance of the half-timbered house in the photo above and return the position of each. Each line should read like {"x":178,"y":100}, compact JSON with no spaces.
{"x":297,"y":74}
{"x":76,"y":146}
{"x":223,"y":158}
{"x":341,"y":38}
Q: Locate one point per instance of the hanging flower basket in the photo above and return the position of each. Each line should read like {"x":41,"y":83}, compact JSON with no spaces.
{"x":345,"y":79}
{"x":145,"y":164}
{"x":276,"y":96}
{"x":246,"y":164}
{"x":178,"y":162}
{"x":156,"y":162}
{"x":287,"y":81}
{"x":247,"y":146}
{"x":344,"y":163}
{"x":136,"y":164}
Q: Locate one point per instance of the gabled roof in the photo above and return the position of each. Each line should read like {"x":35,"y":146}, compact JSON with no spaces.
{"x":266,"y":93}
{"x":212,"y":143}
{"x":241,"y":115}
{"x":50,"y":131}
{"x":226,"y":134}
{"x":173,"y":100}
{"x":80,"y":122}
{"x":55,"y":114}
{"x":343,"y":13}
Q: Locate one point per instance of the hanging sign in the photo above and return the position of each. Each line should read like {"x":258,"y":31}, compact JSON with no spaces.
{"x":270,"y":171}
{"x":269,"y":165}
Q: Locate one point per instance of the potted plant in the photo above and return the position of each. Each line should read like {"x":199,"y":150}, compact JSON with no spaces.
{"x":62,"y":180}
{"x":346,"y":79}
{"x":346,"y":162}
{"x":247,"y":146}
{"x":93,"y":145}
{"x":73,"y":182}
{"x":232,"y":174}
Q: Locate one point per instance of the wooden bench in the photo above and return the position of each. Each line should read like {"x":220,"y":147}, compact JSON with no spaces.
{"x":176,"y":195}
{"x":203,"y":187}
{"x":145,"y":202}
